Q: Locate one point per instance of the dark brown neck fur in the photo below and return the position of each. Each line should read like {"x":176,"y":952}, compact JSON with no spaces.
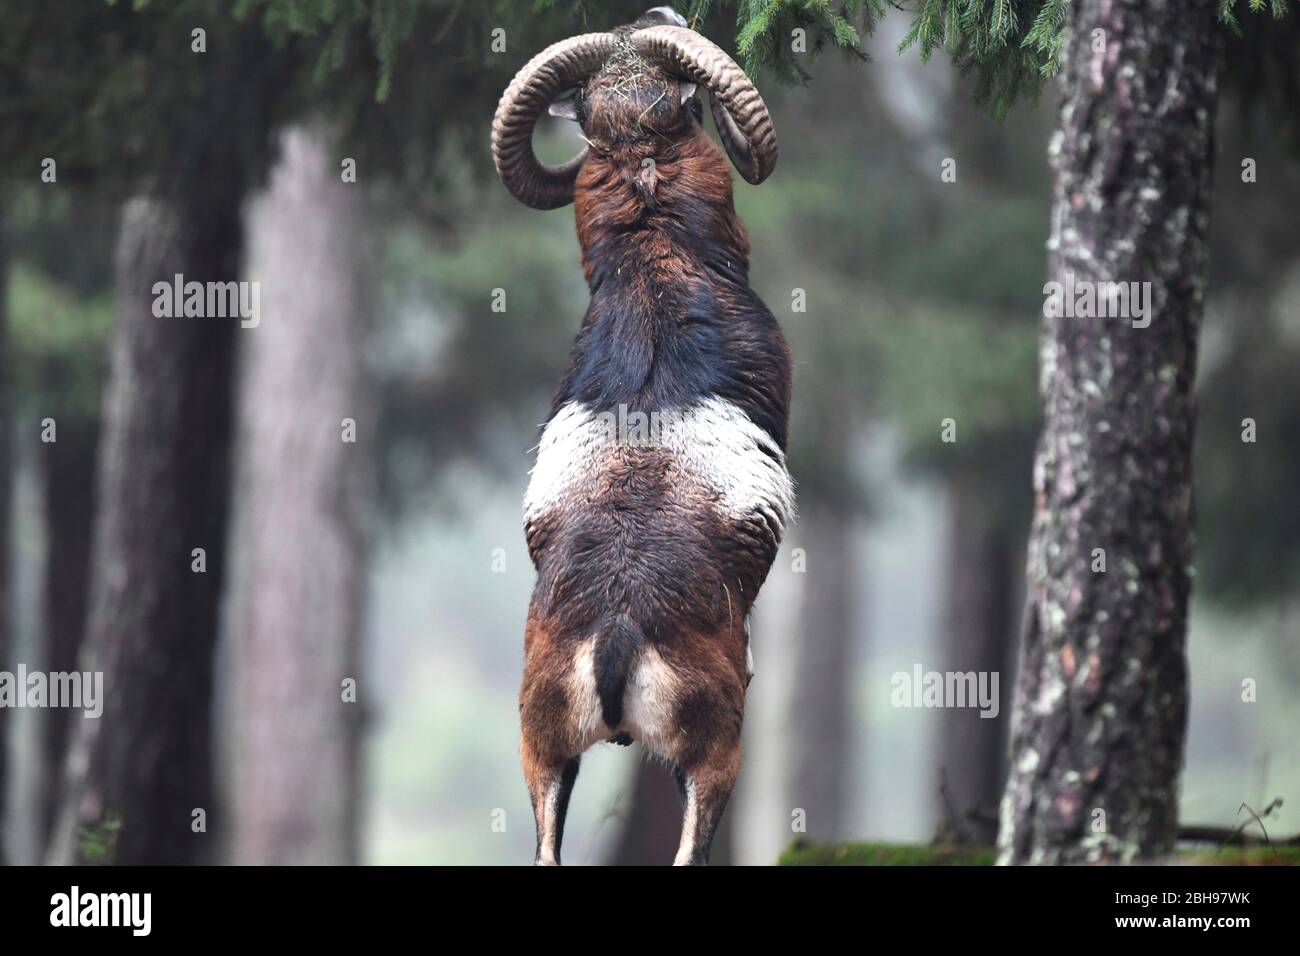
{"x":667,"y":222}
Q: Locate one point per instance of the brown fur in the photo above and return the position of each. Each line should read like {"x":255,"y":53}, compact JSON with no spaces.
{"x":708,"y":715}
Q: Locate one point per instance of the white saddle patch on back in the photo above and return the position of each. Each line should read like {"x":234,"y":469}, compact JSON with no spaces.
{"x":713,"y":442}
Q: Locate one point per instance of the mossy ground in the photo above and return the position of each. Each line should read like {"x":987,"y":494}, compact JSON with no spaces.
{"x":804,"y":853}
{"x":1284,"y":855}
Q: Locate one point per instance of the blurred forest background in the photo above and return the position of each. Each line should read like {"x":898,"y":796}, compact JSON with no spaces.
{"x":397,"y":560}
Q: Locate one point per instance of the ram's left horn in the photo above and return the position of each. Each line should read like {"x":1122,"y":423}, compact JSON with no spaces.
{"x":561,"y":66}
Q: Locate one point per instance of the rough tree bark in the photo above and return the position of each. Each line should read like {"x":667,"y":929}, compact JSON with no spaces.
{"x":978,"y":634}
{"x":136,"y":775}
{"x":1101,"y":701}
{"x":69,"y":480}
{"x":819,"y":713}
{"x":300,"y":542}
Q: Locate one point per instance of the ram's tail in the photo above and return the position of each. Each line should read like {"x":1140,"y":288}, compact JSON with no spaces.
{"x":618,"y":642}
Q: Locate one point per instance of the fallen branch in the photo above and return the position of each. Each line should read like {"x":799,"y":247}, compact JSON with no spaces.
{"x":1227,"y":836}
{"x":1192,"y":833}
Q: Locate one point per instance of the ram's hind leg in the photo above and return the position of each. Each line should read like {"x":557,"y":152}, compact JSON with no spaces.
{"x":548,"y":748}
{"x":709,"y":717}
{"x":549,"y":786}
{"x":550,"y":765}
{"x":707,"y":787}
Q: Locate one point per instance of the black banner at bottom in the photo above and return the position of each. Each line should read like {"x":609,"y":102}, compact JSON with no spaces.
{"x":337,"y":906}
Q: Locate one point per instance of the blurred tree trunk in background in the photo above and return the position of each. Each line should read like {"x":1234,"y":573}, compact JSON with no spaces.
{"x":69,"y":481}
{"x":652,"y":826}
{"x":137,"y":775}
{"x":1101,"y":700}
{"x":977,"y":636}
{"x":303,"y":481}
{"x":819,"y":718}
{"x":6,"y":475}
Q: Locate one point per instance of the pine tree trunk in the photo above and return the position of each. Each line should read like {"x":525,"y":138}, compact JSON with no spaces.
{"x":819,"y":716}
{"x":296,"y":756}
{"x":69,"y":479}
{"x":1101,"y":701}
{"x":136,"y":776}
{"x":978,"y":636}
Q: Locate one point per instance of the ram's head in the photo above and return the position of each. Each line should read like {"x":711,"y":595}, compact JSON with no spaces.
{"x":634,"y":84}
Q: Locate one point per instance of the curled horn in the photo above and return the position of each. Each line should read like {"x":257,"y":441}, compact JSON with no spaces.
{"x":559,"y":67}
{"x":744,"y":124}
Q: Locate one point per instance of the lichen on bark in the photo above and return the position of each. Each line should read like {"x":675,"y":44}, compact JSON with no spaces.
{"x":1101,"y":700}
